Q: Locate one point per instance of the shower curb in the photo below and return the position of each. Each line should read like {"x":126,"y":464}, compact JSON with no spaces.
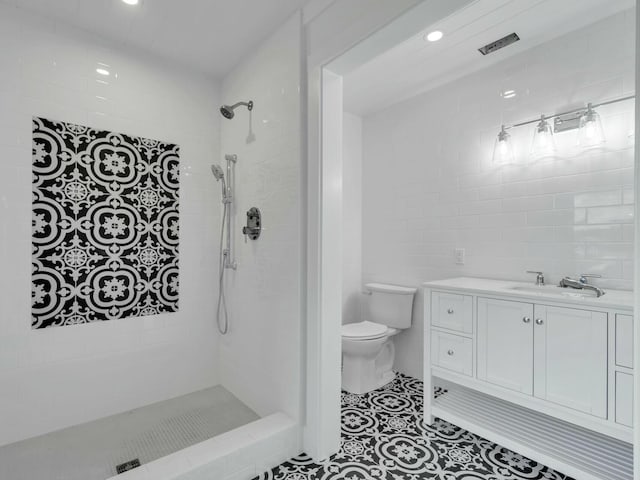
{"x":238,"y":454}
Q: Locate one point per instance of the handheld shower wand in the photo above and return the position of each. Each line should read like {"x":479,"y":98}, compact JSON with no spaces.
{"x":219,"y":174}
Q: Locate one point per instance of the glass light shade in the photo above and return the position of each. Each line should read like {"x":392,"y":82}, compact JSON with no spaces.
{"x":590,"y":133}
{"x":543,"y":142}
{"x":503,"y":153}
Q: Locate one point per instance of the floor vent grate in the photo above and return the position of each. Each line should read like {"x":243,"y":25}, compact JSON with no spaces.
{"x":126,"y":466}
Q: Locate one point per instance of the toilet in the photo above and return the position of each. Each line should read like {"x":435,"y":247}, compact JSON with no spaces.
{"x":367,"y":347}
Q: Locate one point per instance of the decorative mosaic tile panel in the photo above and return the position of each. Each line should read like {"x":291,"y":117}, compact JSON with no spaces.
{"x":384,"y":437}
{"x":105,"y":225}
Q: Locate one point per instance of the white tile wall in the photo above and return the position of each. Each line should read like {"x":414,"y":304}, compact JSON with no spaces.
{"x":260,"y":357}
{"x":429,"y":185}
{"x":57,"y":377}
{"x":351,"y":218}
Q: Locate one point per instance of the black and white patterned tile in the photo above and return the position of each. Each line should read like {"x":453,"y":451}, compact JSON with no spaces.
{"x":105,"y":225}
{"x":384,"y":437}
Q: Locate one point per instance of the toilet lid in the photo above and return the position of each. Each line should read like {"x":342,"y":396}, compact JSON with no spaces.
{"x":364,"y":330}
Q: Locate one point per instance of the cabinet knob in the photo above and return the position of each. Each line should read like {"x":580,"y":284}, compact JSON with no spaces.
{"x":450,"y":311}
{"x":526,"y":319}
{"x":450,"y":352}
{"x":539,"y":321}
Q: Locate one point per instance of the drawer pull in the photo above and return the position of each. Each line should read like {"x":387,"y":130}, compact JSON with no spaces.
{"x":539,"y":321}
{"x":526,"y":319}
{"x":450,"y":311}
{"x":450,"y":352}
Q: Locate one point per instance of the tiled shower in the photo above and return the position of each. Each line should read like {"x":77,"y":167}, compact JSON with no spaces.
{"x":64,"y":84}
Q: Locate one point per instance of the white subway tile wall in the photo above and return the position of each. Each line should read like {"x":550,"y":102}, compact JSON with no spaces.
{"x":351,"y":218}
{"x":260,"y":358}
{"x":429,"y":185}
{"x":59,"y":377}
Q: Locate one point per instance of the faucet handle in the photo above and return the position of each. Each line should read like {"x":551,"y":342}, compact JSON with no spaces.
{"x":539,"y":278}
{"x":584,"y":277}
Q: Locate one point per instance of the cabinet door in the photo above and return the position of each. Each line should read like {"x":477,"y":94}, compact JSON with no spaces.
{"x":624,"y":340}
{"x":624,"y":399}
{"x":570,"y":358}
{"x":505,"y":344}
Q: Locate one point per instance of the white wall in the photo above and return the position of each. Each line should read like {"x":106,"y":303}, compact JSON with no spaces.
{"x":429,"y":185}
{"x":354,"y":20}
{"x":351,"y":218}
{"x":56,"y":377}
{"x":260,"y":358}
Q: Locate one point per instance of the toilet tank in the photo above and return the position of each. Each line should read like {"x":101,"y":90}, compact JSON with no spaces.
{"x":390,"y":305}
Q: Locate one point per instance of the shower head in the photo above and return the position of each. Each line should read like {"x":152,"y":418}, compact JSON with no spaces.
{"x":227,"y":111}
{"x":217,"y":172}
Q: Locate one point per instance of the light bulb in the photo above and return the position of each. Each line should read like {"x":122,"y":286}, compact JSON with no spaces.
{"x":435,"y":36}
{"x":543,"y":143}
{"x":590,"y":133}
{"x":503,"y":150}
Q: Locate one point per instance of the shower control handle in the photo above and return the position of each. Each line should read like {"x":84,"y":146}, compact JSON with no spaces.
{"x":254,"y":224}
{"x":450,"y":311}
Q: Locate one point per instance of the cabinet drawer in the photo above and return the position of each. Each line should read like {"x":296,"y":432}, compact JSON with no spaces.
{"x":452,"y":352}
{"x":624,"y":341}
{"x":624,"y":399}
{"x":452,"y":311}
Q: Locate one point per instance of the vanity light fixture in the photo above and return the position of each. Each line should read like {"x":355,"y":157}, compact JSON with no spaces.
{"x":543,"y":143}
{"x":102,"y":71}
{"x":586,"y":120}
{"x":130,"y":2}
{"x":503,"y":153}
{"x":434,"y":36}
{"x":508,"y":94}
{"x":590,"y":133}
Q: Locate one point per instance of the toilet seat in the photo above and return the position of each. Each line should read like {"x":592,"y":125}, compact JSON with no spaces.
{"x":364,"y":331}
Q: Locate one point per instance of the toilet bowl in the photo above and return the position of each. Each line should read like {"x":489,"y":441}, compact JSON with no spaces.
{"x":368,"y":350}
{"x":367,"y":356}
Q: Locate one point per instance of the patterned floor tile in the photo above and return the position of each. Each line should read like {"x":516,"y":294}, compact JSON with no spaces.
{"x":384,"y":437}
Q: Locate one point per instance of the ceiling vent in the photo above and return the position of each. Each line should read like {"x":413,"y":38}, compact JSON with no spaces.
{"x":498,"y":44}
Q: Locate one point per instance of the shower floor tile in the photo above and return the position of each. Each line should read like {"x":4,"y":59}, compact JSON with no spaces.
{"x":92,"y":450}
{"x":384,"y":438}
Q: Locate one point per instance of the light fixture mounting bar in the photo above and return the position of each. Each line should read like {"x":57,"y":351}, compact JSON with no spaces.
{"x":570,"y":121}
{"x":569,"y":115}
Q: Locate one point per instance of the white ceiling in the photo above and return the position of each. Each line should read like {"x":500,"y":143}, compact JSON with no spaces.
{"x":208,"y":35}
{"x":415,"y":65}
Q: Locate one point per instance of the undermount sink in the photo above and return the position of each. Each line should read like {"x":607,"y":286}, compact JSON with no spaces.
{"x":552,"y":290}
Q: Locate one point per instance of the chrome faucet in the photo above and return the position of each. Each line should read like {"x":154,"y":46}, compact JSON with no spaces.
{"x":539,"y":277}
{"x":582,"y":284}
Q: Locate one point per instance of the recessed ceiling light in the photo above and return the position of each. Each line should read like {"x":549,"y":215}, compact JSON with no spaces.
{"x":130,"y":2}
{"x":508,"y":93}
{"x":102,"y":71}
{"x":435,"y":36}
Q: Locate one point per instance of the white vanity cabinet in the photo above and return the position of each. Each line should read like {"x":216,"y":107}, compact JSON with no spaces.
{"x":505,"y":344}
{"x":553,"y":353}
{"x":570,"y":358}
{"x":541,"y":370}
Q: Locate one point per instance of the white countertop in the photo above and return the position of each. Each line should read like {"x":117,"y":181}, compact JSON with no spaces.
{"x":615,"y":299}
